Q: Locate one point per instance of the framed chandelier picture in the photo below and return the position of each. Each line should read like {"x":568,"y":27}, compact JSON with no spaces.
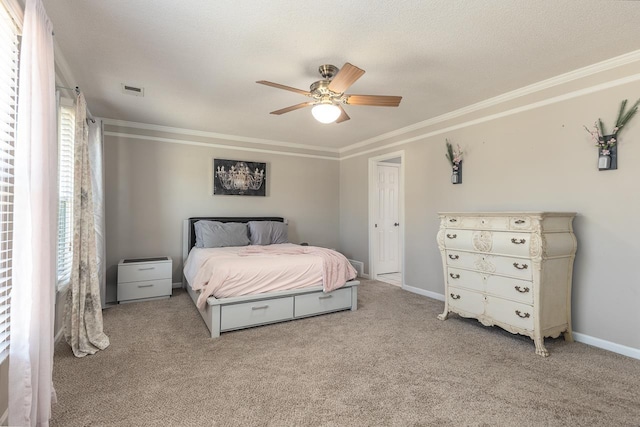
{"x":239,"y":178}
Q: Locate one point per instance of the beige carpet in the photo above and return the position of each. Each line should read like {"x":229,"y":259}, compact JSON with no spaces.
{"x":389,"y":363}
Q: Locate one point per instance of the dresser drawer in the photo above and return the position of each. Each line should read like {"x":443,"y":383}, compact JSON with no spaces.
{"x":466,"y":279}
{"x":492,"y":264}
{"x":319,"y":302}
{"x":509,"y":312}
{"x":256,"y":313}
{"x":504,"y":287}
{"x":513,"y":289}
{"x":144,"y":271}
{"x":477,"y":222}
{"x":497,"y":242}
{"x":466,"y":301}
{"x":144,"y":289}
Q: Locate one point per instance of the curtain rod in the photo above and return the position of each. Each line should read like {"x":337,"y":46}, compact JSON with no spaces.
{"x":77,"y":91}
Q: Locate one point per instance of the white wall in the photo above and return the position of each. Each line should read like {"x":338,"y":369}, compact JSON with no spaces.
{"x":152,"y":186}
{"x":536,"y":159}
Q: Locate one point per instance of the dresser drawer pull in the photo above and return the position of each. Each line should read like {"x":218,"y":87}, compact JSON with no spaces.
{"x":520,"y":266}
{"x":325,"y":297}
{"x":518,"y":241}
{"x":522,"y":316}
{"x":260,"y":307}
{"x":520,"y":221}
{"x":455,"y":296}
{"x":453,"y":256}
{"x":451,"y":236}
{"x":453,"y":220}
{"x":522,"y":290}
{"x":147,"y":268}
{"x":454,"y":276}
{"x":145,"y":286}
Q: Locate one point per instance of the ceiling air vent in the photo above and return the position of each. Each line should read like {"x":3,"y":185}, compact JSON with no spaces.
{"x":132,"y":90}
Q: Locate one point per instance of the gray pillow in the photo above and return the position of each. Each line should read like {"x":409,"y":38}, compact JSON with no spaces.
{"x":259,"y":232}
{"x":279,"y":233}
{"x":213,"y":234}
{"x":267,"y":232}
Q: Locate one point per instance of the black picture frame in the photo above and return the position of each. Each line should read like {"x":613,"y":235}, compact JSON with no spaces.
{"x":239,"y":178}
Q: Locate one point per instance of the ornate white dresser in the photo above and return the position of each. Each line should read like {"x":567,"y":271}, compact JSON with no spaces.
{"x":510,"y":269}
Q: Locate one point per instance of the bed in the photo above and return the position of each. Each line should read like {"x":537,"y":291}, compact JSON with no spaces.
{"x":244,"y":311}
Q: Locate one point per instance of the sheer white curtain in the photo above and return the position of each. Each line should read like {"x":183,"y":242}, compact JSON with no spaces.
{"x":35,"y":218}
{"x":97,"y":187}
{"x":83,"y":310}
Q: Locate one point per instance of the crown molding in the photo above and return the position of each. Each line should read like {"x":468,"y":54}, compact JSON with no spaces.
{"x":214,"y":135}
{"x":618,"y":61}
{"x":534,"y":105}
{"x":577,"y":74}
{"x":207,"y":144}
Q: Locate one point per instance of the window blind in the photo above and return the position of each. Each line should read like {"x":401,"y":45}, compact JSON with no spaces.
{"x":66,"y":132}
{"x":9,"y":56}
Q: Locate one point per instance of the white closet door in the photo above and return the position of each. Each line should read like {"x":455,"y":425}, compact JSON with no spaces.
{"x":388,"y":217}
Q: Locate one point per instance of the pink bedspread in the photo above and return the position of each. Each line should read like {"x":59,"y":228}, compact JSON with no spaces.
{"x":247,"y":270}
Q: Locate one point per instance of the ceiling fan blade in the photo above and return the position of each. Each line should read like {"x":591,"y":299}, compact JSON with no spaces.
{"x":289,"y":88}
{"x":343,"y":115}
{"x":347,"y":76}
{"x":374,"y":100}
{"x":292,"y":108}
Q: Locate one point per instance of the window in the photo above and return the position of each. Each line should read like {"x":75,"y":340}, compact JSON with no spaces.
{"x":9,"y":56}
{"x":66,"y":130}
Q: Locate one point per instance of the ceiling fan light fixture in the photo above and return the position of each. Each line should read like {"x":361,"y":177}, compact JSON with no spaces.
{"x":326,"y":113}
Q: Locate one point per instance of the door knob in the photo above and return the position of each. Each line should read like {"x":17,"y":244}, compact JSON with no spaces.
{"x":395,"y":224}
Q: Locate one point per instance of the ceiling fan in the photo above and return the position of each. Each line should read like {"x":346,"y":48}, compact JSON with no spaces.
{"x":328,"y":94}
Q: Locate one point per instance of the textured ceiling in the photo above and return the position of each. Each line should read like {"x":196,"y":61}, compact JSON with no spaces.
{"x":198,"y":60}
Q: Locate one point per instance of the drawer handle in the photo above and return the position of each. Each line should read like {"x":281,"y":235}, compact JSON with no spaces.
{"x":455,"y":296}
{"x":518,"y":241}
{"x":453,"y":220}
{"x":325,"y":297}
{"x":148,"y":268}
{"x":453,"y":256}
{"x":145,"y":286}
{"x":454,"y":276}
{"x":519,"y":221}
{"x":520,"y":266}
{"x":260,"y":307}
{"x":523,"y":316}
{"x":451,"y":236}
{"x":521,"y":290}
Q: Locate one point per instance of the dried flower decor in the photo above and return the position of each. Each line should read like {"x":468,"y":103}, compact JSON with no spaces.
{"x":605,"y":141}
{"x":454,"y":156}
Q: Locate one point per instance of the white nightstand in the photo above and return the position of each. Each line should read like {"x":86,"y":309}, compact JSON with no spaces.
{"x":143,"y":279}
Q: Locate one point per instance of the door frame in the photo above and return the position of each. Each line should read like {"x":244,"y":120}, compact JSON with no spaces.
{"x":373,"y":197}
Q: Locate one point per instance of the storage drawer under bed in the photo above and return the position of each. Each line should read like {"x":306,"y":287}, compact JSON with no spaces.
{"x":236,"y":316}
{"x":319,"y":302}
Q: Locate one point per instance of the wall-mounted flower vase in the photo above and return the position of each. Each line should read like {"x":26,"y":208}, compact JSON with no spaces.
{"x":606,"y":142}
{"x":456,"y":176}
{"x":607,"y":152}
{"x":455,"y":158}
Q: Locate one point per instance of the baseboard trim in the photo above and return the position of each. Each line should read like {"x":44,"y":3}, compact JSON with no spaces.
{"x":176,"y":285}
{"x":58,"y":336}
{"x":582,"y":338}
{"x":607,"y":345}
{"x":4,"y":418}
{"x":423,"y":292}
{"x":365,"y":276}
